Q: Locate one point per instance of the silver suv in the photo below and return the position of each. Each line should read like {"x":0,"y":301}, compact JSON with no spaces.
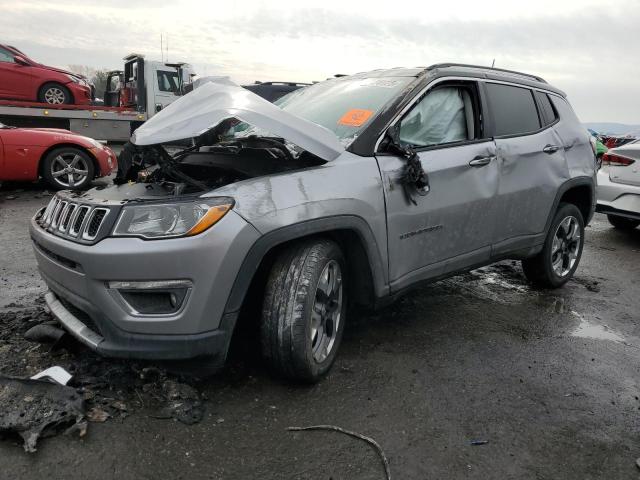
{"x":349,"y":191}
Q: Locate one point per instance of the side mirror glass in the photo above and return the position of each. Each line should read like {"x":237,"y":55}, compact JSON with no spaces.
{"x":20,"y":60}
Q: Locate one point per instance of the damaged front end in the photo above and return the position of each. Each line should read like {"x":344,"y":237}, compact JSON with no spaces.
{"x":226,"y":127}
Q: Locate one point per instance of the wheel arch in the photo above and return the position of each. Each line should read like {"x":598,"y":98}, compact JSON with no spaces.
{"x":579,"y":191}
{"x":56,"y":146}
{"x":351,"y":233}
{"x":63,"y":85}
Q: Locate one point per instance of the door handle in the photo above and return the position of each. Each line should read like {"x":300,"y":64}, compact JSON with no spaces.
{"x":481,"y":161}
{"x":551,"y":149}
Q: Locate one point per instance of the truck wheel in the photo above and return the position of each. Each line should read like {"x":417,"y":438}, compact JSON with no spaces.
{"x":623,"y":223}
{"x":560,"y":256}
{"x":68,"y":168}
{"x":54,"y":94}
{"x":304,"y":310}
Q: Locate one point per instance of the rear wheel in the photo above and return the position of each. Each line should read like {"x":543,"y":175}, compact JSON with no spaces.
{"x":560,"y":256}
{"x":623,"y":223}
{"x":54,"y":94}
{"x":68,"y":168}
{"x":304,"y":310}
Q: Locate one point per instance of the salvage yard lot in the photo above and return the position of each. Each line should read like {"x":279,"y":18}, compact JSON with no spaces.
{"x":548,"y":379}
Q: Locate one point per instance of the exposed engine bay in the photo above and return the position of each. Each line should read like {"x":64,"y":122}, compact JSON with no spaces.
{"x":208,"y":164}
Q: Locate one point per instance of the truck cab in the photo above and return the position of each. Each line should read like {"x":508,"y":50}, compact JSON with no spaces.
{"x":145,"y":85}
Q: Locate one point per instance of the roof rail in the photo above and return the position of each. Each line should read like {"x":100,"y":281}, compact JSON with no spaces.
{"x":445,"y":65}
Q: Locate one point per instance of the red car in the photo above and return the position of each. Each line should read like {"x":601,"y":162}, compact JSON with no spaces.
{"x":64,"y":159}
{"x":24,"y":79}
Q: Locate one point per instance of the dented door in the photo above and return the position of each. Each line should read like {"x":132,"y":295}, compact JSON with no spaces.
{"x":449,"y":228}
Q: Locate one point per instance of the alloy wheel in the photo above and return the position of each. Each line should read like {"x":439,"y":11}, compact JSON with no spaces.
{"x":327,"y":309}
{"x":566,"y":246}
{"x":54,"y":96}
{"x":69,"y":169}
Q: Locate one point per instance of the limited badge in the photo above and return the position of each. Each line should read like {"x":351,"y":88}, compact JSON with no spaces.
{"x":355,"y":117}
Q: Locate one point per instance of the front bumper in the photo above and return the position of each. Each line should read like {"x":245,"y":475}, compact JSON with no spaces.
{"x":78,"y":278}
{"x":81,"y":93}
{"x":107,"y":160}
{"x":126,"y":345}
{"x":617,"y":198}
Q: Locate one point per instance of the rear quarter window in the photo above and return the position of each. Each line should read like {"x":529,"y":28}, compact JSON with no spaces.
{"x":547,"y":112}
{"x":513,"y":108}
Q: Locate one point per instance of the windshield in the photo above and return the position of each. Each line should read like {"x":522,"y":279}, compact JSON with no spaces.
{"x":344,"y":106}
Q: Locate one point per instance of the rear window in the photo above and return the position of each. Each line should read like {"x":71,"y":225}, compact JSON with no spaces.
{"x":547,"y":111}
{"x":514,"y":110}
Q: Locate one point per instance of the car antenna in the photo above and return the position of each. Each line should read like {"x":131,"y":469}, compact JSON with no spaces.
{"x":493,"y":64}
{"x":161,"y":49}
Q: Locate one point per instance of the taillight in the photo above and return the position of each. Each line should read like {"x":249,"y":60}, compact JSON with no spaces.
{"x":615,"y":160}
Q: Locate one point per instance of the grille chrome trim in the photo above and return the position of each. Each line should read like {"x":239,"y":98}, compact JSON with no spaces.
{"x":47,"y":213}
{"x":66,"y":216}
{"x":76,"y":227}
{"x":91,"y":216}
{"x":73,"y":220}
{"x":58,"y":213}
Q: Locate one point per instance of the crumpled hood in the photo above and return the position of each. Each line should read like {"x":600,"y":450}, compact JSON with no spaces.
{"x":213,"y":102}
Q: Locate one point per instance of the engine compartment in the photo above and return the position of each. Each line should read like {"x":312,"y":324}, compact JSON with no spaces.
{"x":206,"y":167}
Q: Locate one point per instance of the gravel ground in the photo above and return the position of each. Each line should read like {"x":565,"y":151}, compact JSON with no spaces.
{"x":546,"y":381}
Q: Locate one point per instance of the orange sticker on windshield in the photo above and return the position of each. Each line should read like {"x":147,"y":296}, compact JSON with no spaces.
{"x":355,"y":117}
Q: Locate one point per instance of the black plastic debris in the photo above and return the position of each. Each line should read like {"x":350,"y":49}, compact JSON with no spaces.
{"x":38,"y":408}
{"x":44,"y":333}
{"x":183,"y":402}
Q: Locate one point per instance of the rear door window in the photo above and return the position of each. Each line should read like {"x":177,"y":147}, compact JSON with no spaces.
{"x":514,"y":110}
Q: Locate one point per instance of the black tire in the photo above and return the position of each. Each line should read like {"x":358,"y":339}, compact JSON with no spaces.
{"x":50,"y":166}
{"x":623,"y":223}
{"x":54,"y":94}
{"x":287,"y":333}
{"x":539,"y":269}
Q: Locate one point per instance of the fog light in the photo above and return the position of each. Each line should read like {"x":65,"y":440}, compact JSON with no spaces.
{"x":160,"y":297}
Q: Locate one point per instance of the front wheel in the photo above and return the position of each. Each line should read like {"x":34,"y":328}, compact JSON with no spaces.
{"x":623,"y":223}
{"x":54,"y":94}
{"x":304,"y":310}
{"x":68,"y":168}
{"x":560,"y":256}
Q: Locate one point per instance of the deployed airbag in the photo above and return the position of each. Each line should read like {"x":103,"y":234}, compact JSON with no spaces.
{"x":438,"y":118}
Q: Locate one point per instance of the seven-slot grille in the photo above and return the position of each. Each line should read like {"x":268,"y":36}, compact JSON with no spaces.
{"x":73,"y":220}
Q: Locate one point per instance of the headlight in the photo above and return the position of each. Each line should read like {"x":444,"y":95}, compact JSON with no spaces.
{"x":171,"y":220}
{"x":78,"y":80}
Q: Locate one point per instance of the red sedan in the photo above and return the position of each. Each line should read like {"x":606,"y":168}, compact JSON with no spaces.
{"x":24,"y":79}
{"x":64,"y":159}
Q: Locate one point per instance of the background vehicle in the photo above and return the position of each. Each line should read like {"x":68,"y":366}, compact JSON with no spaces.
{"x":133,"y":96}
{"x":22,"y":78}
{"x":272,"y":91}
{"x":619,"y":186}
{"x":396,"y":177}
{"x":64,"y":159}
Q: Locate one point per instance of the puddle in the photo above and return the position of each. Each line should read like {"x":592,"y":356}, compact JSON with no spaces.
{"x":587,"y":329}
{"x":500,"y":283}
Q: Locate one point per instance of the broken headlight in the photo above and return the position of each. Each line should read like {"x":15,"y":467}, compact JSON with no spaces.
{"x":170,"y":220}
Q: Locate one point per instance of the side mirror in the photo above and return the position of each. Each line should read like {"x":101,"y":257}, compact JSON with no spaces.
{"x":20,"y":60}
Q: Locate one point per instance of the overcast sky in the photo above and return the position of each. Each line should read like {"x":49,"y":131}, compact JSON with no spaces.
{"x":587,"y":48}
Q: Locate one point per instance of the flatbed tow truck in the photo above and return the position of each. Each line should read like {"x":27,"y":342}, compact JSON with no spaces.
{"x":133,"y":96}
